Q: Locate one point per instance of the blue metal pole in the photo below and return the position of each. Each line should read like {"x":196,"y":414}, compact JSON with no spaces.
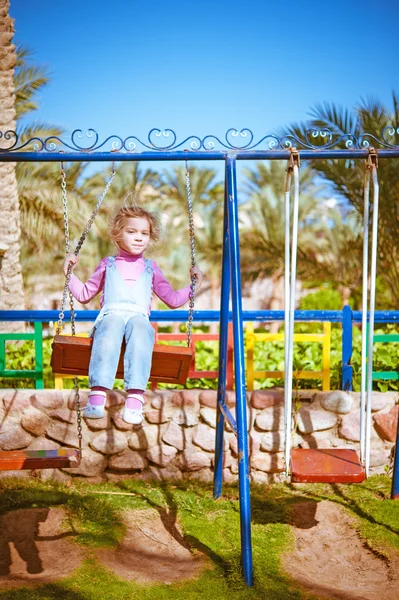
{"x":172,"y":155}
{"x":223,"y":338}
{"x":334,"y":316}
{"x":239,"y":366}
{"x":347,"y":370}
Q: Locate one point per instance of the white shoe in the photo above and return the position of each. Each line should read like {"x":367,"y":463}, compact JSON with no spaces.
{"x":95,"y":411}
{"x":133,"y":416}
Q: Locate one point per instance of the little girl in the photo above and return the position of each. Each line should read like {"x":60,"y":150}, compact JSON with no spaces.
{"x":126,"y":282}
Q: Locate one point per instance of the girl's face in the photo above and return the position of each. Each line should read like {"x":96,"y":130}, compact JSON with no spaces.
{"x":135,"y":237}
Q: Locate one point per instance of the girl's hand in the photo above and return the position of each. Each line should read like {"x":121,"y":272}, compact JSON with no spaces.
{"x":197,"y":273}
{"x":70,"y":259}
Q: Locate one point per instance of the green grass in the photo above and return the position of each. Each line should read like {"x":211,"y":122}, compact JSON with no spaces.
{"x":210,"y":527}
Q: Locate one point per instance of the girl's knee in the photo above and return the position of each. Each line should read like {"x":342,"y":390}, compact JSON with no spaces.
{"x":140,"y":325}
{"x":112,"y":323}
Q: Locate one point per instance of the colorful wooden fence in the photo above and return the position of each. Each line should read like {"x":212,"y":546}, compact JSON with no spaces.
{"x":386,"y":375}
{"x":347,"y":317}
{"x":194,"y":373}
{"x":37,"y":372}
{"x":324,"y":338}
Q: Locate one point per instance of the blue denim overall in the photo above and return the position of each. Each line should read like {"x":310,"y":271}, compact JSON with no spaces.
{"x":123,"y":315}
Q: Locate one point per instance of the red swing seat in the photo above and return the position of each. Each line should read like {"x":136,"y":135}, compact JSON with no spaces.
{"x":326,"y":466}
{"x":71,"y":356}
{"x":16,"y":460}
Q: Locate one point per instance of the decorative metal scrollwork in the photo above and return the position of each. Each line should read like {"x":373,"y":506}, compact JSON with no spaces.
{"x":165,"y":140}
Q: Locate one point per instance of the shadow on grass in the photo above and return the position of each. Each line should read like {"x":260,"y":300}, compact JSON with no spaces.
{"x":51,"y":591}
{"x":264,"y":511}
{"x":168,"y":516}
{"x":357,"y":509}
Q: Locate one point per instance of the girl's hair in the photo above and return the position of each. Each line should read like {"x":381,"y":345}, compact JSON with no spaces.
{"x":127,"y":212}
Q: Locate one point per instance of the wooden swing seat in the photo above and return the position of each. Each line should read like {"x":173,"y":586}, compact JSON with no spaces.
{"x":17,"y":460}
{"x":326,"y":466}
{"x":71,"y":356}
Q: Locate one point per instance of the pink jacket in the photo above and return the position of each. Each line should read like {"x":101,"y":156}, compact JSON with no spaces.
{"x":130,"y":267}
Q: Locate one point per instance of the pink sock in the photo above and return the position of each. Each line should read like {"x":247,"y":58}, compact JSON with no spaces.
{"x":97,"y":399}
{"x":135,"y":399}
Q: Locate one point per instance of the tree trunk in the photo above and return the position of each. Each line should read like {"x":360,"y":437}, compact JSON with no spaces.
{"x":345,"y":294}
{"x":11,"y":284}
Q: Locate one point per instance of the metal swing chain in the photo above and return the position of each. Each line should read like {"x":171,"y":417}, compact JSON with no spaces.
{"x":193,"y":257}
{"x":67,"y":250}
{"x":95,"y":211}
{"x":79,"y":245}
{"x":66,"y":290}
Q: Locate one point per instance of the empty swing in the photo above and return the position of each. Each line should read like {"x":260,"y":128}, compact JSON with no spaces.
{"x":170,"y":364}
{"x":330,"y":465}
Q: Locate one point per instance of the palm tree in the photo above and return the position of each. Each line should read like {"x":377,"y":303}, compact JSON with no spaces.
{"x":337,"y":256}
{"x":38,"y":183}
{"x":40,"y":191}
{"x":43,"y":243}
{"x":173,"y":253}
{"x":346,"y":177}
{"x":207,"y":200}
{"x":209,"y":242}
{"x":11,"y":285}
{"x":263,"y":230}
{"x":131,"y":185}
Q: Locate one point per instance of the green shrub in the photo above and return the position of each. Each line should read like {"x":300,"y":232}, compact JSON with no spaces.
{"x":323,"y":299}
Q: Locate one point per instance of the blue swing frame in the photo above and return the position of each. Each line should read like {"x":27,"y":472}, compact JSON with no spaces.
{"x":54,"y":149}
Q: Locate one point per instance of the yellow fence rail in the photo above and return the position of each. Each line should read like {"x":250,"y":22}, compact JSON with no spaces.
{"x":250,"y":339}
{"x":324,"y":338}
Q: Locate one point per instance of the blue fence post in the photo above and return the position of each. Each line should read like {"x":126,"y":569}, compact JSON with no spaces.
{"x":239,"y":365}
{"x":223,"y":340}
{"x":347,"y":370}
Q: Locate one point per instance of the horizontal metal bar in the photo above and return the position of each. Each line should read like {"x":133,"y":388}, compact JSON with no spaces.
{"x":334,"y":316}
{"x":380,"y":316}
{"x":189,"y":155}
{"x":87,"y":316}
{"x":108,"y":156}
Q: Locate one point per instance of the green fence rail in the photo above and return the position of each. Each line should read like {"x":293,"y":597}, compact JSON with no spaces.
{"x":386,"y":375}
{"x":37,"y":373}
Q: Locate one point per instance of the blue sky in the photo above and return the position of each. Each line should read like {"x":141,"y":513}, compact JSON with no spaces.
{"x":124,"y":67}
{"x":201,"y":67}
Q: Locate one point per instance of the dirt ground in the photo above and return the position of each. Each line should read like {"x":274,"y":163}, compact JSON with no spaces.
{"x":153,"y":550}
{"x":331,"y":560}
{"x":36,"y":548}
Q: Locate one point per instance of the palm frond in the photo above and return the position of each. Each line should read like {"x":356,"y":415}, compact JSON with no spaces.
{"x":28,"y":80}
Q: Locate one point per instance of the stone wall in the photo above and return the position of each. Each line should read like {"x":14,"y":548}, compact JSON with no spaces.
{"x":177,"y":438}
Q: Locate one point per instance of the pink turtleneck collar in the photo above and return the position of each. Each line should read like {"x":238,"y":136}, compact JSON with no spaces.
{"x":129,"y":257}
